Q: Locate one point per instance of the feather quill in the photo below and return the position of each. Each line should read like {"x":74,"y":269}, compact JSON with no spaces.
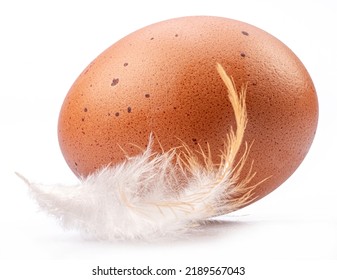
{"x":156,"y":195}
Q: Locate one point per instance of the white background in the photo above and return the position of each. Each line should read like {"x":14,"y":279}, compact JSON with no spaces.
{"x":46,"y":44}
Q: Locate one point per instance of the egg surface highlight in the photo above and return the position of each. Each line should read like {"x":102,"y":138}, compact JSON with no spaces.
{"x":162,"y":79}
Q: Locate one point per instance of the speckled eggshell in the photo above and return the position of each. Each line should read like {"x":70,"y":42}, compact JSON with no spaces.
{"x":163,"y":79}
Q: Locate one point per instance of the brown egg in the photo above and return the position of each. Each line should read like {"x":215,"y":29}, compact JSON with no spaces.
{"x":163,"y":79}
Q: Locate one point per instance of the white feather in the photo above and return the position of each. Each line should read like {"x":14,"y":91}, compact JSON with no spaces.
{"x":154,"y":195}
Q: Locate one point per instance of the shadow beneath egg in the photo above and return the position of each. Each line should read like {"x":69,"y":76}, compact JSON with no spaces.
{"x":209,"y":230}
{"x":219,"y":227}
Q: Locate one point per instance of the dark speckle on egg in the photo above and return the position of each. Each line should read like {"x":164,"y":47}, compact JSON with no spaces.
{"x":114,"y":81}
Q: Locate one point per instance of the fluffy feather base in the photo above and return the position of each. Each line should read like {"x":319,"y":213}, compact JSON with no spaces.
{"x":155,"y":195}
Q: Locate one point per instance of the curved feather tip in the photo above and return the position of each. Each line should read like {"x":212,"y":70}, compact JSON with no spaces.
{"x":156,"y":195}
